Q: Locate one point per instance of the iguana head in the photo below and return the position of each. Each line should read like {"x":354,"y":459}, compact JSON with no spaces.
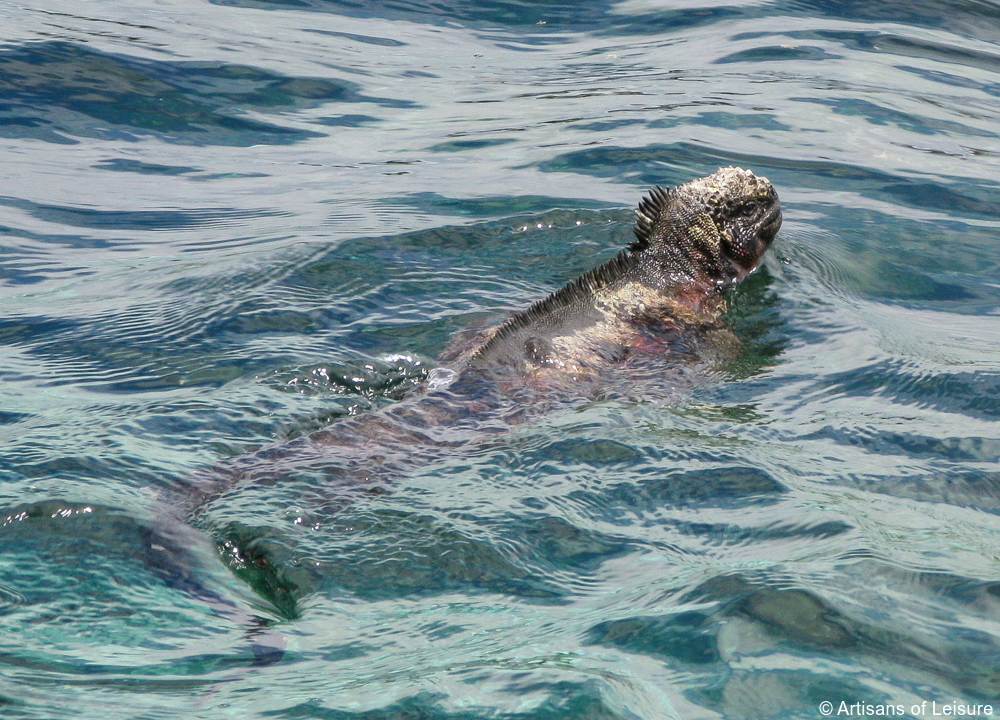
{"x":711,"y":231}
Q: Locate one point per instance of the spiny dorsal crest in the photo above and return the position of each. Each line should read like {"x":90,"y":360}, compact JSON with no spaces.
{"x":650,"y":208}
{"x":581,"y":290}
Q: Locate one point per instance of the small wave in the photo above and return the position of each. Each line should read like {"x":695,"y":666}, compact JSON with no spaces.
{"x":143,"y":220}
{"x":115,"y":97}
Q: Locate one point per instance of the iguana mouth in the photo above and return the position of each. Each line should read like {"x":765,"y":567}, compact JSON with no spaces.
{"x":771,"y":222}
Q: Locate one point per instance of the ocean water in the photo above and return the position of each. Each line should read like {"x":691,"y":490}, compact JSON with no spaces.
{"x":226,"y":225}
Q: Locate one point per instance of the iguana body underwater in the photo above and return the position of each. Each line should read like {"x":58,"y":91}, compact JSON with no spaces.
{"x":692,"y":242}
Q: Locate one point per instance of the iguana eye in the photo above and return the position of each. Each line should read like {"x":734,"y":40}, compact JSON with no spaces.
{"x":745,"y":209}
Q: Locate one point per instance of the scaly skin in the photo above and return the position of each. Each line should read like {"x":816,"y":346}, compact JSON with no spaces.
{"x":692,"y":242}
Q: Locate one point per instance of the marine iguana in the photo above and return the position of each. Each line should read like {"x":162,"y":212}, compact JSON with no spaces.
{"x":692,"y":242}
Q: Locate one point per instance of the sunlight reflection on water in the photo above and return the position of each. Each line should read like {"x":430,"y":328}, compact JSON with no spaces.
{"x":226,"y":224}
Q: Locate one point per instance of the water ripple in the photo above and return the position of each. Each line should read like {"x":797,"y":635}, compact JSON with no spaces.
{"x":231,"y":224}
{"x":80,"y":93}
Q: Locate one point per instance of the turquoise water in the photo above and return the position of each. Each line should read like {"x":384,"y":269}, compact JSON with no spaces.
{"x":225,"y":225}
